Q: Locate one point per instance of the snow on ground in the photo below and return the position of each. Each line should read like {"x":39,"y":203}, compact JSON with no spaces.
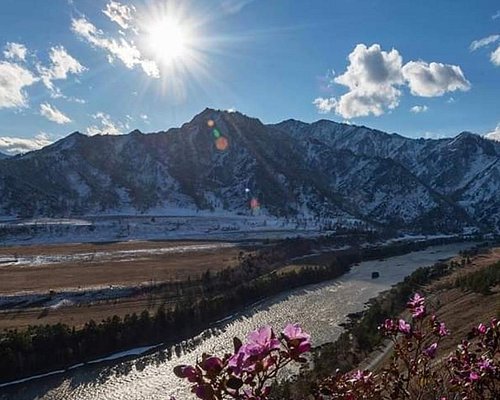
{"x":112,"y":256}
{"x":202,"y":225}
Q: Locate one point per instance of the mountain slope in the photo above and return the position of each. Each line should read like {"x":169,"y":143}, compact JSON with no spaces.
{"x":322,"y":171}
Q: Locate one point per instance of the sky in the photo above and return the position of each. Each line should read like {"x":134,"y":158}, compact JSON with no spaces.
{"x":419,"y":68}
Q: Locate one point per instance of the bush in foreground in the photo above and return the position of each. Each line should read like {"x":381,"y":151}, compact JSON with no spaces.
{"x":416,"y":370}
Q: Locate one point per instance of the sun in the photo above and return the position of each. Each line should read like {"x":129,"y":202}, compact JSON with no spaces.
{"x":168,"y":40}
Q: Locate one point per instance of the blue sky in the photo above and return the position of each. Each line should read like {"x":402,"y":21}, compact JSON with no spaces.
{"x":419,"y":68}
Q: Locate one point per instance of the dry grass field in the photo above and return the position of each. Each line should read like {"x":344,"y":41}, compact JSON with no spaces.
{"x":123,"y":263}
{"x":84,"y":266}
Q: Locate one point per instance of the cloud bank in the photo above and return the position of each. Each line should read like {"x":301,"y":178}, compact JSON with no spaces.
{"x":14,"y":145}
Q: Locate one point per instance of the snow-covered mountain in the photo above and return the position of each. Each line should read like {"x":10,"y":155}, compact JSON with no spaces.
{"x":222,"y":160}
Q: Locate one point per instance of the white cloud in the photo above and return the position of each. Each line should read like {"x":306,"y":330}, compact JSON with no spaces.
{"x":105,"y":127}
{"x":477,"y":44}
{"x":14,"y":145}
{"x":419,"y":109}
{"x":119,"y":13}
{"x":374,"y":78}
{"x":53,"y":114}
{"x":494,"y":134}
{"x":15,"y":51}
{"x":13,"y":80}
{"x":434,"y":79}
{"x":121,"y":48}
{"x":61,"y":65}
{"x":145,"y":118}
{"x":496,"y":15}
{"x":495,"y":56}
{"x":325,"y":105}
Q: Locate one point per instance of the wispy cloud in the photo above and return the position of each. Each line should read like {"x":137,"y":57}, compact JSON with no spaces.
{"x":477,"y":44}
{"x":13,"y":80}
{"x":15,"y":51}
{"x":53,"y":114}
{"x":496,"y":15}
{"x":487,"y":41}
{"x":14,"y":145}
{"x":234,"y":6}
{"x":116,"y":48}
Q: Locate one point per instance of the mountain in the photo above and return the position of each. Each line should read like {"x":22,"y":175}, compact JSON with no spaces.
{"x":2,"y":156}
{"x":218,"y":161}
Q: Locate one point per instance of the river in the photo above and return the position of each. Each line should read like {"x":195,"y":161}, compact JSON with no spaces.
{"x":319,"y":308}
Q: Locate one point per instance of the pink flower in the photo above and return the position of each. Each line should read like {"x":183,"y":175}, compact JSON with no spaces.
{"x":485,"y":365}
{"x":297,"y":340}
{"x":417,"y":306}
{"x":431,"y":350}
{"x":416,"y":300}
{"x":474,"y":376}
{"x":442,"y":330}
{"x":261,"y":342}
{"x":388,"y":325}
{"x":404,"y":327}
{"x":360,"y":376}
{"x":241,"y":361}
{"x":482,"y":328}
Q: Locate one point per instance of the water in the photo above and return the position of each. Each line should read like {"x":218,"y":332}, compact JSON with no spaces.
{"x":318,"y":308}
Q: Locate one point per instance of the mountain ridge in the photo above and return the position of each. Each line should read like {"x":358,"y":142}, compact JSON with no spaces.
{"x":323,"y":171}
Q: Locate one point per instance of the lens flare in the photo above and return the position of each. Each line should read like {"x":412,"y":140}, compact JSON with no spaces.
{"x":216,"y":133}
{"x":254,"y":204}
{"x":222,"y":143}
{"x":210,"y":123}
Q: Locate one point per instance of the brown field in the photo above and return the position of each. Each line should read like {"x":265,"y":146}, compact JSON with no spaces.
{"x":133,"y":271}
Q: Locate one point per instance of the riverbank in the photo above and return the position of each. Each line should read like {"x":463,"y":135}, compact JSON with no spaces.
{"x":449,"y":293}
